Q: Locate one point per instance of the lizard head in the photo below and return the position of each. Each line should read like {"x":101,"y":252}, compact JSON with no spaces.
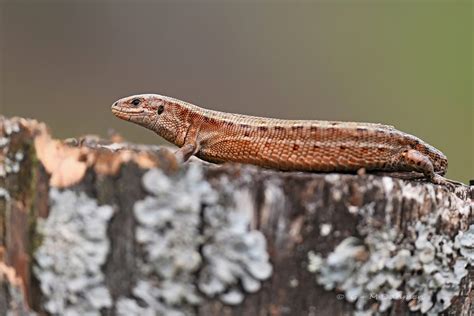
{"x":153,"y":112}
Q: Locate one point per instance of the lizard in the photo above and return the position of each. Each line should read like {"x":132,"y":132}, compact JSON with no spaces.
{"x":289,"y":145}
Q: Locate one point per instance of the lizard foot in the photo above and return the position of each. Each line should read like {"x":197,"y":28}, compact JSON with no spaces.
{"x":185,"y":152}
{"x":418,"y":176}
{"x":450,"y":184}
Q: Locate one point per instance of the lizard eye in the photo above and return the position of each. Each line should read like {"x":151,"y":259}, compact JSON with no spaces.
{"x":160,"y":110}
{"x":136,"y":102}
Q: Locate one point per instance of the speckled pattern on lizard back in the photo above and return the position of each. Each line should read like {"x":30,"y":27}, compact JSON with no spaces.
{"x":300,"y":145}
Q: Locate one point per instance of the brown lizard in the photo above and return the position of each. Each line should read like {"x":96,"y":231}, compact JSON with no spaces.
{"x":299,"y":145}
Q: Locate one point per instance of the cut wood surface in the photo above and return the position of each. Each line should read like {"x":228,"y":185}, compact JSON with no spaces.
{"x":97,"y":227}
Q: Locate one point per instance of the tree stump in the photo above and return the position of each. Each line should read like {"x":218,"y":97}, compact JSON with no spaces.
{"x":111,"y":228}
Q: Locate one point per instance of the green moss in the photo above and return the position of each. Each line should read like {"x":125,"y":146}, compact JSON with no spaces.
{"x":34,"y":237}
{"x":22,"y":185}
{"x":4,"y":201}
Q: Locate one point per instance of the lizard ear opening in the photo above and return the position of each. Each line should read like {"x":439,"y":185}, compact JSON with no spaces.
{"x":160,"y":110}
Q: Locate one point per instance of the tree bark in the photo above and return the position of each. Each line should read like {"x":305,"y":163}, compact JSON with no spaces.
{"x":91,"y":226}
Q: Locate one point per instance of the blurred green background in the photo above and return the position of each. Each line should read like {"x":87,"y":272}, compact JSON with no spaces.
{"x":403,"y":63}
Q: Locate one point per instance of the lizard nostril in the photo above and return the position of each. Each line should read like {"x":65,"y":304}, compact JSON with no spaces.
{"x":115,"y":104}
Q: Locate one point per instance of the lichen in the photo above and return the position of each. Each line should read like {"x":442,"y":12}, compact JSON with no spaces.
{"x":147,"y":301}
{"x":169,"y":223}
{"x":465,"y":242}
{"x":10,"y":127}
{"x":234,"y":255}
{"x":9,"y":161}
{"x":191,"y":234}
{"x":4,"y":194}
{"x":74,"y":248}
{"x":325,"y":229}
{"x":378,"y":268}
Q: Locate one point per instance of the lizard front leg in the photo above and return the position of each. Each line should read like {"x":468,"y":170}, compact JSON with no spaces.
{"x":191,"y":145}
{"x":413,"y":160}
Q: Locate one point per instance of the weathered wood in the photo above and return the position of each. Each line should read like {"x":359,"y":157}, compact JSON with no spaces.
{"x":122,"y":229}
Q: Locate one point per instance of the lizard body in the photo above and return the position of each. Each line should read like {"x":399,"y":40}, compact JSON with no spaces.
{"x":302,"y":145}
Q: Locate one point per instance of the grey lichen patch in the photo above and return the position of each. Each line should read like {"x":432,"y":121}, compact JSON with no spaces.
{"x":9,"y":161}
{"x":148,"y":301}
{"x":9,"y":166}
{"x":192,"y":235}
{"x":168,"y":231}
{"x":10,"y":127}
{"x":465,"y":242}
{"x":233,"y":254}
{"x":4,"y":194}
{"x":75,"y":246}
{"x":424,"y":269}
{"x":325,"y":229}
{"x":4,"y":142}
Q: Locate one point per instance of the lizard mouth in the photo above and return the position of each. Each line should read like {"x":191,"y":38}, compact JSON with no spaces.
{"x":125,"y":113}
